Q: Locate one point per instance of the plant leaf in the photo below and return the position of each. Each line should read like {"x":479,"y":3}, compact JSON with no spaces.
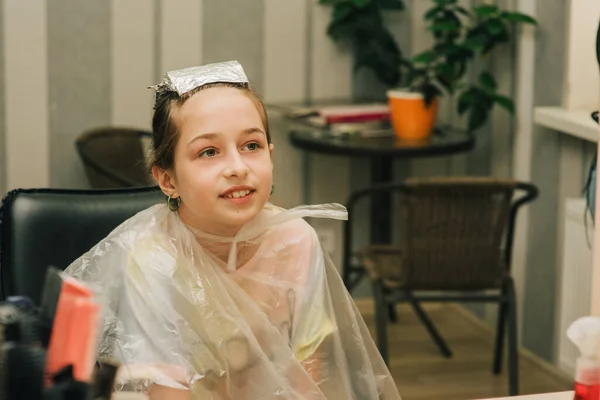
{"x":475,"y":43}
{"x":495,"y":27}
{"x":464,"y":101}
{"x":485,"y":10}
{"x":430,"y":92}
{"x":477,"y":38}
{"x":478,"y":114}
{"x":445,"y":76}
{"x":450,"y":16}
{"x":424,"y":58}
{"x":505,"y":103}
{"x":446,"y":83}
{"x":460,"y":68}
{"x":487,"y":81}
{"x":463,"y":11}
{"x":414,"y":76}
{"x":446,"y":26}
{"x":360,"y":3}
{"x":433,"y":12}
{"x":518,"y":17}
{"x":340,"y":12}
{"x":340,"y":30}
{"x":392,"y":4}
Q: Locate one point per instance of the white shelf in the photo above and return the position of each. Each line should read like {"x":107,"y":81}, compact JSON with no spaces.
{"x":576,"y":123}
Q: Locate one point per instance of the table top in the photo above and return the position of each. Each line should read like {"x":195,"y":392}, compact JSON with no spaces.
{"x":541,"y":396}
{"x":319,"y":138}
{"x":444,"y":141}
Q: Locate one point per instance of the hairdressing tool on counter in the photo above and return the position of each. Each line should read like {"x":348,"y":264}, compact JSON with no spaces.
{"x":48,"y":352}
{"x":22,"y":359}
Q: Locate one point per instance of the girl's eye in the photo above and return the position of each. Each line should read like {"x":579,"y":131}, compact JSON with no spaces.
{"x":208,"y":153}
{"x":252,"y":146}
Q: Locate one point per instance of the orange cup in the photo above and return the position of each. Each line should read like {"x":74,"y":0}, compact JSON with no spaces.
{"x":411,"y":120}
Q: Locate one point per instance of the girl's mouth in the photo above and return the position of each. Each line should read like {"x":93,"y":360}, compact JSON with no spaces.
{"x":237,"y":194}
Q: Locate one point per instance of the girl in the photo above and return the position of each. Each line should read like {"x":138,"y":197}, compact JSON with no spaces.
{"x":219,"y":294}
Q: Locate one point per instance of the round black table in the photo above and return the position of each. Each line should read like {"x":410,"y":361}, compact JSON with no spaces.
{"x":381,"y":150}
{"x":442,"y":142}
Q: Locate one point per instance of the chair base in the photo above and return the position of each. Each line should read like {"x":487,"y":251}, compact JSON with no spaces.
{"x":507,"y":323}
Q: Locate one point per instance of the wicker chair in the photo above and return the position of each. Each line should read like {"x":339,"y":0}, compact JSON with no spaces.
{"x":456,"y":239}
{"x":114,"y":158}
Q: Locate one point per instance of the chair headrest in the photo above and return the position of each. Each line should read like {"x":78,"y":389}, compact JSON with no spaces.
{"x":53,"y":227}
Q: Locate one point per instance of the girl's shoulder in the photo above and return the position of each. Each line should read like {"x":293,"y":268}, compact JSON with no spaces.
{"x":151,"y":228}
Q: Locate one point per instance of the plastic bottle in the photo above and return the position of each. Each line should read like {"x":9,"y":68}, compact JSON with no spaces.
{"x":585,"y":334}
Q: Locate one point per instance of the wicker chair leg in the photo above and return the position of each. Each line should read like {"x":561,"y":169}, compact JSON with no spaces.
{"x":381,"y":318}
{"x":513,"y":352}
{"x":500,"y":334}
{"x":431,"y":329}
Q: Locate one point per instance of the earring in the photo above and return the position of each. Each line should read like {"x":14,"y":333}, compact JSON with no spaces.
{"x":173,"y":207}
{"x":272,"y":189}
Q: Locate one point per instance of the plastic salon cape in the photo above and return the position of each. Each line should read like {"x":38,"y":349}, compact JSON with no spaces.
{"x":263,"y":315}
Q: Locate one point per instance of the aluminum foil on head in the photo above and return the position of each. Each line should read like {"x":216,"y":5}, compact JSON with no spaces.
{"x":184,"y":80}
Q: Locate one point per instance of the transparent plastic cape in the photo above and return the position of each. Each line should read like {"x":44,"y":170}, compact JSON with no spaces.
{"x":263,"y":315}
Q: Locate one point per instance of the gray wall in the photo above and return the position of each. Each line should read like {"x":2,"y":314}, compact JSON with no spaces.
{"x":79,"y":81}
{"x":540,"y":311}
{"x":233,"y":29}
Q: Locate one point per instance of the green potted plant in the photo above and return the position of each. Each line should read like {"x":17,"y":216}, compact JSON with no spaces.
{"x":460,"y":36}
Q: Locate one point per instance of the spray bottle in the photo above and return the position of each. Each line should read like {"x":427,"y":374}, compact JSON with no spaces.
{"x":585,"y":334}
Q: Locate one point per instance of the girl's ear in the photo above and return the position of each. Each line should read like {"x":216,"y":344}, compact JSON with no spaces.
{"x":165,"y":181}
{"x":271,"y":146}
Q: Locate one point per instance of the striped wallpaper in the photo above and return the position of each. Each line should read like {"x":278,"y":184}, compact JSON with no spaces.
{"x":25,"y":95}
{"x":72,"y":65}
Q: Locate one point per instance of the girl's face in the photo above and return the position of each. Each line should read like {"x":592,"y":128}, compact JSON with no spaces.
{"x":223,"y":167}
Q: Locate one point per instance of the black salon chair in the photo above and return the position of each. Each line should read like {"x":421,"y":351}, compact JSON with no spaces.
{"x":53,"y":227}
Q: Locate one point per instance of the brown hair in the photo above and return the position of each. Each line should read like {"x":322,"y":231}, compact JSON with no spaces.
{"x":165,"y":132}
